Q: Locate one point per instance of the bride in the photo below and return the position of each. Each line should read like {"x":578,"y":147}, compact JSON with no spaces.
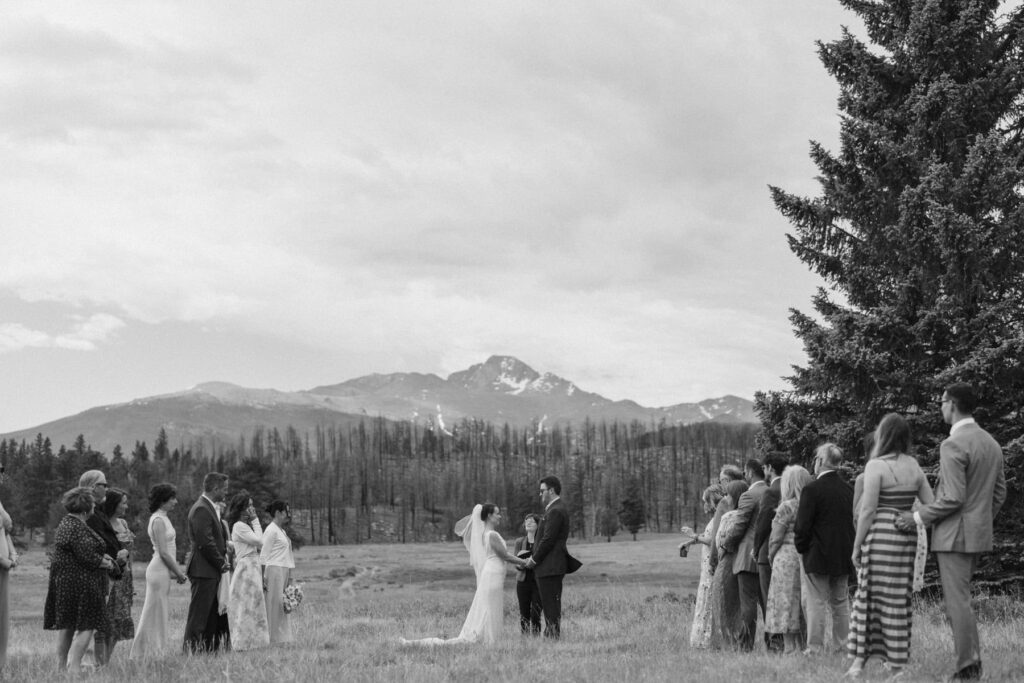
{"x":488,"y":555}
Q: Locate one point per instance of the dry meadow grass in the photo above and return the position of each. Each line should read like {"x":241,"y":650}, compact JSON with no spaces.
{"x":627,"y":616}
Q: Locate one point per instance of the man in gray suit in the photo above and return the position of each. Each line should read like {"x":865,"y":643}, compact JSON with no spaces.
{"x":745,"y":563}
{"x":971,"y":489}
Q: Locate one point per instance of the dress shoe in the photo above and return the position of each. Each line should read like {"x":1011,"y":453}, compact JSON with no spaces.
{"x":971,"y":672}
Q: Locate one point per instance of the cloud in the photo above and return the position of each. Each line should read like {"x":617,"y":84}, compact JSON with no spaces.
{"x":419,"y":185}
{"x":85,"y":334}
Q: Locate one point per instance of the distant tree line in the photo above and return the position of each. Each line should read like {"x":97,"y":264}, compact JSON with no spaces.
{"x":381,"y":481}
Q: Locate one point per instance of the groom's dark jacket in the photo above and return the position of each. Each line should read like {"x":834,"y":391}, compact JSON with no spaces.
{"x":549,"y":551}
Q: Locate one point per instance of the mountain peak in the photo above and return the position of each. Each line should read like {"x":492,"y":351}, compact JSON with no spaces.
{"x":504,"y":374}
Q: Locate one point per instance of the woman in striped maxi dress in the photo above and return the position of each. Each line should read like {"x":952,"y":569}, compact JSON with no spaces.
{"x":883,"y":555}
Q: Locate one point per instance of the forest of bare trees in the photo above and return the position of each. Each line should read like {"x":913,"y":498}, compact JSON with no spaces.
{"x":378,"y":480}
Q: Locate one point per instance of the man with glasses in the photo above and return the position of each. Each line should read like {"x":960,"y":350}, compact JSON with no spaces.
{"x":98,"y":521}
{"x":971,"y":489}
{"x":550,"y":560}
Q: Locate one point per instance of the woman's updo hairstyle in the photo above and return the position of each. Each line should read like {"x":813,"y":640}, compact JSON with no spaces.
{"x":160,"y":494}
{"x":486,"y":510}
{"x":276,"y":506}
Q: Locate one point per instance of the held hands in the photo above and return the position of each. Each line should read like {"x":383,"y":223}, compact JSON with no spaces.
{"x":905,"y":522}
{"x":529,"y":564}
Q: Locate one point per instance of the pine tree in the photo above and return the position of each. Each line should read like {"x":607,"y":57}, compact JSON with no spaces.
{"x":632,"y":513}
{"x":918,"y":231}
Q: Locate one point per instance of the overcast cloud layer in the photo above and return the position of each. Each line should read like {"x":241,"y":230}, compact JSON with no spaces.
{"x":293,"y":194}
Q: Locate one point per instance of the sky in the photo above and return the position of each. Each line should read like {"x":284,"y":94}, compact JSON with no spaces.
{"x":286,"y":195}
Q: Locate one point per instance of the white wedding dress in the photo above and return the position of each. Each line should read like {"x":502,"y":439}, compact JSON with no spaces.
{"x":483,"y":623}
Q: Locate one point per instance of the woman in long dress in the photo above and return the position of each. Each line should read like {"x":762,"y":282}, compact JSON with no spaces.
{"x":725,"y":587}
{"x":122,"y":590}
{"x":701,"y":628}
{"x":881,"y":618}
{"x":277,"y":562}
{"x":247,"y":607}
{"x":8,"y":561}
{"x":488,"y":554}
{"x":151,"y":633}
{"x":76,"y":596}
{"x":783,"y":613}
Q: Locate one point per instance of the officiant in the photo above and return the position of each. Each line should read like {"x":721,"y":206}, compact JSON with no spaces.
{"x":526,"y":584}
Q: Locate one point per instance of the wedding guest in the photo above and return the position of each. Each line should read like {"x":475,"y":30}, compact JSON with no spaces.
{"x":76,"y":594}
{"x":725,"y":589}
{"x":784,"y":614}
{"x":151,"y":636}
{"x":8,"y":561}
{"x":774,"y":465}
{"x":224,"y":589}
{"x":527,"y":592}
{"x":99,"y":522}
{"x":730,"y":473}
{"x":741,"y":542}
{"x":247,"y":606}
{"x":884,"y":555}
{"x":702,"y":627}
{"x":205,"y":567}
{"x":823,"y":534}
{"x":971,"y":490}
{"x":122,"y":591}
{"x":277,"y":562}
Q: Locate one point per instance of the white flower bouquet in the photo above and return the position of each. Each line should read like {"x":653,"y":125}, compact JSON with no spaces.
{"x":292,"y":598}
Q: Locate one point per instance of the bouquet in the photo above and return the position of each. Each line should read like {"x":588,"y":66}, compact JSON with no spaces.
{"x":292,"y":598}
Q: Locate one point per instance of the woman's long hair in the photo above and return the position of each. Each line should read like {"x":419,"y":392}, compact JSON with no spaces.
{"x":239,"y":502}
{"x":733,"y":491}
{"x":891,"y":436}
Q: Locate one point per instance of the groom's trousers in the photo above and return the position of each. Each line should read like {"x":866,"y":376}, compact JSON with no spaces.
{"x":550,"y":588}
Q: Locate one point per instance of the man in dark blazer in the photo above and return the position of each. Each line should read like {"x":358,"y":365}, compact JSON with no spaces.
{"x":970,"y":492}
{"x":550,"y":560}
{"x":745,"y":563}
{"x":207,"y":561}
{"x":774,"y":463}
{"x":823,"y":534}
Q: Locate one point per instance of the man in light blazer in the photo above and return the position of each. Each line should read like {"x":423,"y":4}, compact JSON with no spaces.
{"x":745,"y":563}
{"x":207,"y":561}
{"x":971,"y":489}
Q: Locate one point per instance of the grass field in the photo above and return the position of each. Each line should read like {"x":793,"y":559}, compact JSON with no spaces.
{"x":626,"y":619}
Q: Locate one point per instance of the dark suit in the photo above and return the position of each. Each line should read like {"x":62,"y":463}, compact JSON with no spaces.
{"x":762,"y":532}
{"x":552,"y":561}
{"x":970,"y":492}
{"x":207,"y":561}
{"x":527,"y":591}
{"x":745,"y":564}
{"x":823,"y":534}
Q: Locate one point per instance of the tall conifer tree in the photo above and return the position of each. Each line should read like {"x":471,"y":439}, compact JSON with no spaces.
{"x":918,"y":230}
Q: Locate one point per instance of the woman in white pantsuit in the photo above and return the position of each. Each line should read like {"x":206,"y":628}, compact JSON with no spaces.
{"x":277,"y":562}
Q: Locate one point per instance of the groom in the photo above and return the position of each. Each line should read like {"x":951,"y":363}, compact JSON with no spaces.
{"x":550,"y":558}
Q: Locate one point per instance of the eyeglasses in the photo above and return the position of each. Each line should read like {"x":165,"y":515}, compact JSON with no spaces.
{"x":103,"y":484}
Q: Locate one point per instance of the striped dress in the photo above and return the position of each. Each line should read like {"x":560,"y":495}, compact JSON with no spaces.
{"x":880,"y":620}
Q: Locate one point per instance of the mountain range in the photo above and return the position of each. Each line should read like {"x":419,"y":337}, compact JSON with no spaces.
{"x":502,"y":390}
